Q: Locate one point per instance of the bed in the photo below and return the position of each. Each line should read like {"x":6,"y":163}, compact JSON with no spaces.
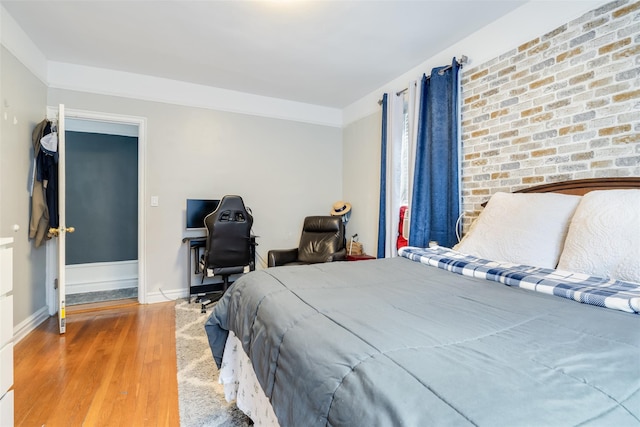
{"x":532,"y":319}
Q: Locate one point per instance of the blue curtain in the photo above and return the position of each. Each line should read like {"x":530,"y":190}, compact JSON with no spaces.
{"x":435,"y":206}
{"x":382,"y":220}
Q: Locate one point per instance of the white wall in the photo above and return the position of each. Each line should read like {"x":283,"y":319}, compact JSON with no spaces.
{"x":284,"y":170}
{"x":23,"y":104}
{"x":361,"y":185}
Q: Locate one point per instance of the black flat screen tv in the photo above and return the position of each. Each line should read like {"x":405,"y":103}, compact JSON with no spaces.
{"x":197,"y":210}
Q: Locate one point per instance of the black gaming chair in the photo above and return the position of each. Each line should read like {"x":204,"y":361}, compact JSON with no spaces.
{"x":228,"y":248}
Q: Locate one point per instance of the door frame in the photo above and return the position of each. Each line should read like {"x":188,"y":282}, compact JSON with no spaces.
{"x":51,"y":252}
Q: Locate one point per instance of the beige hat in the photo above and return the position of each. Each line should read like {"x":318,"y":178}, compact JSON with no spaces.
{"x":340,"y":208}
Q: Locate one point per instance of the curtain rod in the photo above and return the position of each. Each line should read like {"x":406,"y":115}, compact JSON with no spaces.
{"x":463,"y":60}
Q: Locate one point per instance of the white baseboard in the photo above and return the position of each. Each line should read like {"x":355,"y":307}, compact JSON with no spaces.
{"x":23,"y":328}
{"x":101,"y":276}
{"x":166,"y":295}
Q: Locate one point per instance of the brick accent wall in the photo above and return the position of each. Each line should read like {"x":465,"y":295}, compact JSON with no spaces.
{"x":563,"y":106}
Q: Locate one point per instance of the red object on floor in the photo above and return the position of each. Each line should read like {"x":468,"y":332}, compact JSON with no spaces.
{"x":401,"y":241}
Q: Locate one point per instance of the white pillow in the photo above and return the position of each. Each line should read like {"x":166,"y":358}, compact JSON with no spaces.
{"x":522,"y":228}
{"x":604,"y":236}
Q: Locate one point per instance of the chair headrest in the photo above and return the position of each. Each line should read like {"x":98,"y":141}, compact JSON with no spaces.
{"x":322,"y":224}
{"x":231,"y":203}
{"x":231,"y":209}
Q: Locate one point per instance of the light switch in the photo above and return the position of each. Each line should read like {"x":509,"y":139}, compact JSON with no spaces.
{"x":154,"y":200}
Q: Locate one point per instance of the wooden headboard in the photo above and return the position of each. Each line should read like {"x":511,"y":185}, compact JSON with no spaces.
{"x":581,"y":187}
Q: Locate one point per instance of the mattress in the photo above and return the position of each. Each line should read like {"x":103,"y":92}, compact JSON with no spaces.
{"x":396,"y":342}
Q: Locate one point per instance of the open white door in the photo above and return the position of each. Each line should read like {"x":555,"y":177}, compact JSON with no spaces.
{"x":56,"y":249}
{"x":62,"y":229}
{"x":60,"y":232}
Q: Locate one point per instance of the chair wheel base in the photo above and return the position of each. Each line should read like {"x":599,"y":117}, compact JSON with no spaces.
{"x":208,"y":299}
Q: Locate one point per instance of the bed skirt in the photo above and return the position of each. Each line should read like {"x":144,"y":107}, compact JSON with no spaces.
{"x":240,"y":384}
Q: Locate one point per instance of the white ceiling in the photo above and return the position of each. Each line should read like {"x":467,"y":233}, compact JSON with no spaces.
{"x":328,"y":53}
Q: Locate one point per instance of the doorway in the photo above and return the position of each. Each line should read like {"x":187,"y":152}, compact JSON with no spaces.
{"x":118,"y":270}
{"x":102,"y":205}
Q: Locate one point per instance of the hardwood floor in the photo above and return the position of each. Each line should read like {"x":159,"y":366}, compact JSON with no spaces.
{"x":113,"y":367}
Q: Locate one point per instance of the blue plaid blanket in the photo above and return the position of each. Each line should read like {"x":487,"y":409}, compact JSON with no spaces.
{"x":615,"y":294}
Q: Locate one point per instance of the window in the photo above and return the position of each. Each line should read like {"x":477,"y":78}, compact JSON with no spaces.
{"x":405,"y":186}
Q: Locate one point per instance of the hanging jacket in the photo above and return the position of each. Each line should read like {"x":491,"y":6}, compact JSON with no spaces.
{"x":39,"y":223}
{"x":47,"y":172}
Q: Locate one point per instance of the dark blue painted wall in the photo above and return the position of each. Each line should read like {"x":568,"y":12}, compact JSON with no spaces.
{"x":102,"y":197}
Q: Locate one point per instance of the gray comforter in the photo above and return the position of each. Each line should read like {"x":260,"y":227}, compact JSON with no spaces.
{"x":396,"y":343}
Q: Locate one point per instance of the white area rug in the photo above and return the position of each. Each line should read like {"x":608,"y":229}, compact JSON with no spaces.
{"x":200,"y":395}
